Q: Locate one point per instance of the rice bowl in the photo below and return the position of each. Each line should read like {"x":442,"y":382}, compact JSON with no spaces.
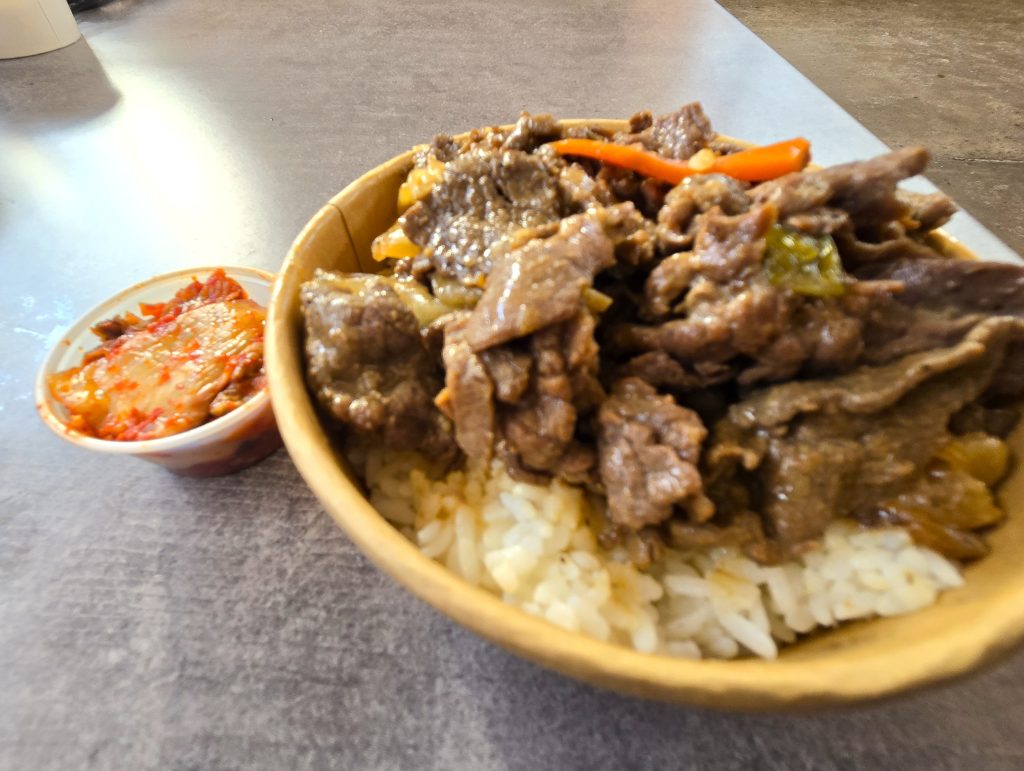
{"x":856,"y":661}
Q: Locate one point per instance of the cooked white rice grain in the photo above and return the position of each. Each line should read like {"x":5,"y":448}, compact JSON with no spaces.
{"x":532,"y":545}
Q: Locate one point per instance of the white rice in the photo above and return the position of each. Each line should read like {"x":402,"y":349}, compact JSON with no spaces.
{"x":533,"y":546}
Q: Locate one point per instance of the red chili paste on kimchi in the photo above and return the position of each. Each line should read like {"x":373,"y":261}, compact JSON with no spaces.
{"x":175,"y":367}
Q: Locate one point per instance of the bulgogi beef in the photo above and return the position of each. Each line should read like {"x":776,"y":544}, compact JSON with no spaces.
{"x":484,"y":195}
{"x":865,"y":190}
{"x":818,"y":450}
{"x":468,"y":398}
{"x":367,"y":364}
{"x":728,"y":303}
{"x":528,"y":345}
{"x":540,"y":283}
{"x":678,"y":220}
{"x":728,"y":318}
{"x":491,"y":186}
{"x":522,"y":400}
{"x":649,"y":448}
{"x":597,"y":321}
{"x":677,"y":135}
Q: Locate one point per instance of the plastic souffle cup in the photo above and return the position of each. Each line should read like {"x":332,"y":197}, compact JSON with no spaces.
{"x":224,"y":445}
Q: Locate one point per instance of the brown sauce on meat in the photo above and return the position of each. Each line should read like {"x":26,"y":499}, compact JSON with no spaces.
{"x":725,"y":362}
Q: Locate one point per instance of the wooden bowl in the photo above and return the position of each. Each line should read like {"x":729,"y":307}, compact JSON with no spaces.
{"x":857,"y":661}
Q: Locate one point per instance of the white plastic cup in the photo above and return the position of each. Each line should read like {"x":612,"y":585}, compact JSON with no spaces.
{"x":29,"y":27}
{"x":226,"y":444}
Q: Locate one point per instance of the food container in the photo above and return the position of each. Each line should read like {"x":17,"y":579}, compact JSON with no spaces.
{"x":224,"y":445}
{"x":854,"y":662}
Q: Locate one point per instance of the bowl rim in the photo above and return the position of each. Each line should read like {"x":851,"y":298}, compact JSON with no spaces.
{"x":740,"y":684}
{"x":45,"y":403}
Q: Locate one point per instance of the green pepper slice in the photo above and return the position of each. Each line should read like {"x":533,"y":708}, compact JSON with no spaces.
{"x":806,"y":264}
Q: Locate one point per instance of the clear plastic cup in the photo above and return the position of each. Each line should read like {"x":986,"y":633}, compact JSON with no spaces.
{"x":224,"y":445}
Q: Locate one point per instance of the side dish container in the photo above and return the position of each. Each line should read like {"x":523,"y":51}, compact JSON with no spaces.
{"x":222,"y":446}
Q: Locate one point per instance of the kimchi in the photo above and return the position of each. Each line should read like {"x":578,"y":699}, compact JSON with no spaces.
{"x":174,"y":367}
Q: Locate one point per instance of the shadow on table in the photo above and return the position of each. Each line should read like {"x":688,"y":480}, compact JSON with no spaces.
{"x":55,"y":89}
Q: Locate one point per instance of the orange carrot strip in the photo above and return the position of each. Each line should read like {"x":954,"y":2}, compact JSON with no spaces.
{"x":626,"y":157}
{"x":768,"y":162}
{"x":754,"y":165}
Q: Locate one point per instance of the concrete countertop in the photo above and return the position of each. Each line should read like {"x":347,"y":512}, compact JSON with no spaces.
{"x":148,"y":621}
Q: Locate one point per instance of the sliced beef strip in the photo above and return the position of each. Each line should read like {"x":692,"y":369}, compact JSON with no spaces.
{"x":894,"y":309}
{"x":662,"y":371}
{"x":730,"y":307}
{"x":667,"y":284}
{"x":531,"y":131}
{"x":716,"y":306}
{"x":646,"y":193}
{"x":509,"y":369}
{"x":582,"y":360}
{"x":632,"y":236}
{"x":367,"y":364}
{"x":678,"y":220}
{"x":963,"y":286}
{"x":446,"y":148}
{"x":441,"y":148}
{"x":782,"y":333}
{"x":541,"y":282}
{"x":723,"y":145}
{"x":586,"y":131}
{"x":866,"y":190}
{"x":495,"y":182}
{"x":528,"y":133}
{"x":484,"y":196}
{"x":433,"y":334}
{"x":819,"y":221}
{"x":540,"y":428}
{"x":927,"y":211}
{"x":676,"y":135}
{"x":644,"y":547}
{"x":823,"y":335}
{"x":939,"y":300}
{"x":728,"y":250}
{"x":744,"y":531}
{"x":640,"y":121}
{"x":579,"y":190}
{"x":648,"y":449}
{"x":469,"y":394}
{"x":485,"y":138}
{"x":521,"y":401}
{"x":578,"y":465}
{"x":893,"y":329}
{"x":889,"y":243}
{"x":859,"y":204}
{"x":818,"y":450}
{"x":525,"y":358}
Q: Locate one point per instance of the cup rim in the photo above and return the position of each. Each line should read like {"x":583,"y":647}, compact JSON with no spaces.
{"x":47,"y":410}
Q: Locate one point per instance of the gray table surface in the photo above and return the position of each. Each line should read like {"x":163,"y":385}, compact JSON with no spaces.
{"x":148,"y":621}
